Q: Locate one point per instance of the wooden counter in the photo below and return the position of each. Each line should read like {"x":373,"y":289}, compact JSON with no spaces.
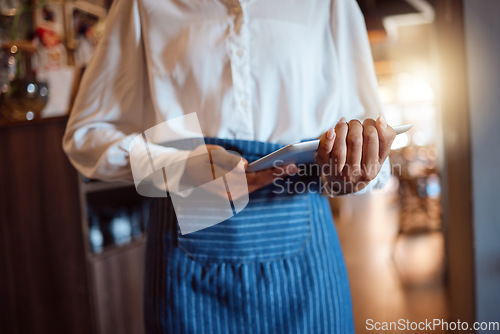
{"x":51,"y":278}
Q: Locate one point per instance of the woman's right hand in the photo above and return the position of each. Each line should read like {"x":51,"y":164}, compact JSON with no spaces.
{"x":352,"y":153}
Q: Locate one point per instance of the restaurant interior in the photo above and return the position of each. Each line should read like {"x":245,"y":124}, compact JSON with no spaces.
{"x":424,"y":247}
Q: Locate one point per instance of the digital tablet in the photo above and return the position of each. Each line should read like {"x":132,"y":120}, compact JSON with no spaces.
{"x":298,"y":153}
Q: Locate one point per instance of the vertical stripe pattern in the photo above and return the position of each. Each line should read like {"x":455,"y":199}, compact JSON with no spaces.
{"x":268,"y":278}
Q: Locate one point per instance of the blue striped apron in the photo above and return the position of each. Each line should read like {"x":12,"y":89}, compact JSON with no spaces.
{"x":275,"y":267}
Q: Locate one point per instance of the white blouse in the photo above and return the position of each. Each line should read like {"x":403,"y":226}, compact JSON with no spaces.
{"x":276,"y":70}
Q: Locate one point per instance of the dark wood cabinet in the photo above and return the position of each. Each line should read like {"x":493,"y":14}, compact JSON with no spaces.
{"x":43,"y":274}
{"x":50,"y":279}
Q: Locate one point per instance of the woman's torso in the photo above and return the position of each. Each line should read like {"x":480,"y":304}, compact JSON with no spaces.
{"x":255,"y":70}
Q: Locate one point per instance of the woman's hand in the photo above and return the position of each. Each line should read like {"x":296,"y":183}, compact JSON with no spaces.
{"x":208,"y":162}
{"x":257,"y":180}
{"x":352,"y":154}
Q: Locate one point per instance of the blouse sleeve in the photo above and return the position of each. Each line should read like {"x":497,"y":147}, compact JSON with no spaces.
{"x":359,"y":89}
{"x":113,"y":104}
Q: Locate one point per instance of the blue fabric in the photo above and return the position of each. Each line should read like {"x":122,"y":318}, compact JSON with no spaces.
{"x":276,"y":267}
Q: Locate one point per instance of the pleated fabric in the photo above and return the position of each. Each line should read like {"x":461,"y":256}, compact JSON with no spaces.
{"x":275,"y":267}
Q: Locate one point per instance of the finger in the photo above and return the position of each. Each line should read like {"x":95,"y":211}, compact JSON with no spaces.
{"x":245,"y":164}
{"x":370,"y":160}
{"x":214,"y":148}
{"x":339,"y":151}
{"x":272,"y":174}
{"x":354,"y":148}
{"x":325,"y":146}
{"x":208,"y":162}
{"x":257,"y":180}
{"x":211,"y":148}
{"x":224,"y":161}
{"x":386,"y":136}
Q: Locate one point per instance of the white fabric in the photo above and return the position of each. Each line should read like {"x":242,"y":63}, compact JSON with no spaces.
{"x":275,"y":70}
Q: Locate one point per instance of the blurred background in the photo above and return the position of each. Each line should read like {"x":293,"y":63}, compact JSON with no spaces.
{"x":394,"y":247}
{"x":425,"y":247}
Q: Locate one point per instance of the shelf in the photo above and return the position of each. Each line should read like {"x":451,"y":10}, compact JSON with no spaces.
{"x":37,"y":121}
{"x":94,"y":186}
{"x":116,"y":249}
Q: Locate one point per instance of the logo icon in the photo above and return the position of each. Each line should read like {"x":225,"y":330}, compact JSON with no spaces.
{"x":207,"y":184}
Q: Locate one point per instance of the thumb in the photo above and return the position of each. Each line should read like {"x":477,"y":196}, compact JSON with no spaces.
{"x":386,"y":135}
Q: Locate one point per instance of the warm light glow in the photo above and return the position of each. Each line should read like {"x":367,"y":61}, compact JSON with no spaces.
{"x":414,"y":89}
{"x":386,"y":95}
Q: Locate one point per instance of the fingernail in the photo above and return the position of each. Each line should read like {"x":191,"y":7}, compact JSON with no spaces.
{"x":330,"y":134}
{"x":383,"y":123}
{"x":342,"y":120}
{"x":292,"y":169}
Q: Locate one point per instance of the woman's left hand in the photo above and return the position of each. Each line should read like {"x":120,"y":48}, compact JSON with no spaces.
{"x":352,"y":154}
{"x":208,"y":162}
{"x":257,"y":180}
